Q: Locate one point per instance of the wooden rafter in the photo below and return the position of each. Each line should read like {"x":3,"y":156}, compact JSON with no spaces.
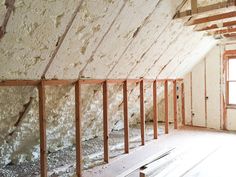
{"x":223,"y":31}
{"x":203,"y":9}
{"x":230,"y":35}
{"x":211,"y":18}
{"x":216,"y":26}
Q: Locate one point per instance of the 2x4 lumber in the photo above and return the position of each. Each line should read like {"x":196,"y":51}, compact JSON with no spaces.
{"x":211,"y":18}
{"x":203,"y":9}
{"x":126,"y":119}
{"x":215,"y":26}
{"x":105,"y":122}
{"x":42,"y":129}
{"x":58,"y":82}
{"x":78,"y":135}
{"x":223,"y":31}
{"x":194,"y":6}
{"x":175,"y":104}
{"x":230,"y":35}
{"x":142,"y":112}
{"x":9,"y":83}
{"x":166,"y":107}
{"x":183,"y":103}
{"x":155,"y":119}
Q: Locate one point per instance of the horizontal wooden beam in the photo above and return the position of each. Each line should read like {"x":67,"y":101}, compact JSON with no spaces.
{"x":211,"y":18}
{"x":223,"y":31}
{"x":230,"y":35}
{"x":59,"y":82}
{"x":216,"y":26}
{"x":203,"y":9}
{"x":19,"y":83}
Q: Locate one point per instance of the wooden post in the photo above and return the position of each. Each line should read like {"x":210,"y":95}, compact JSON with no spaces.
{"x":142,"y":112}
{"x":42,"y":129}
{"x":155,"y":120}
{"x":105,"y":122}
{"x":126,"y":119}
{"x":78,"y":129}
{"x":166,"y":108}
{"x":175,"y":104}
{"x":183,"y":104}
{"x":194,"y":6}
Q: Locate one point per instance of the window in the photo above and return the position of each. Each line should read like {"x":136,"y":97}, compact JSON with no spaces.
{"x":231,"y":81}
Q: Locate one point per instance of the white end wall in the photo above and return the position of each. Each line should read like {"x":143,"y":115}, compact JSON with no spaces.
{"x":204,"y":87}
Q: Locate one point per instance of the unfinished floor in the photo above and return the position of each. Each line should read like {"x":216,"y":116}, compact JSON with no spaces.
{"x":197,"y":152}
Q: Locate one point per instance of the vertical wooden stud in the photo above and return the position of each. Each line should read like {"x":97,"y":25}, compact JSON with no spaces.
{"x":155,"y":119}
{"x":183,"y":103}
{"x":194,"y":6}
{"x":42,"y":129}
{"x":175,"y":104}
{"x":126,"y":120}
{"x":166,"y":107}
{"x":78,"y":129}
{"x":142,"y":112}
{"x":105,"y":122}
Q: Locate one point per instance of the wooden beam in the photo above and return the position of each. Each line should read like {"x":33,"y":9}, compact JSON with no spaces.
{"x":105,"y":122}
{"x":142,"y":112}
{"x":42,"y":129}
{"x":175,"y":104}
{"x":230,"y":35}
{"x":216,"y":26}
{"x":10,"y":83}
{"x":194,"y":6}
{"x":211,"y":18}
{"x":155,"y":119}
{"x":203,"y":9}
{"x":126,"y":119}
{"x":183,"y":103}
{"x":78,"y":135}
{"x":60,"y":82}
{"x":223,"y":31}
{"x":166,"y":107}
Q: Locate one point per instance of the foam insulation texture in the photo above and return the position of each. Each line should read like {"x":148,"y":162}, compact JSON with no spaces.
{"x":106,"y":39}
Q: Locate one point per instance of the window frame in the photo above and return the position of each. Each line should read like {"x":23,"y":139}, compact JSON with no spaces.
{"x":228,"y":55}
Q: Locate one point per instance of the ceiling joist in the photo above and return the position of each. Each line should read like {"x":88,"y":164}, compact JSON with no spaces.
{"x":223,"y":31}
{"x":216,"y":26}
{"x":211,"y":18}
{"x":203,"y":9}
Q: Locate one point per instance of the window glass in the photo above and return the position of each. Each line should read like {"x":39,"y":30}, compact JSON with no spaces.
{"x":232,"y":69}
{"x":232,"y":92}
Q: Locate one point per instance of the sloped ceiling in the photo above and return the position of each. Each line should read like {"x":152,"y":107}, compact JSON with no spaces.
{"x":106,"y":39}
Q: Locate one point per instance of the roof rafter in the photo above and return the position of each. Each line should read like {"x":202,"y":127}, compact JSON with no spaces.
{"x":203,"y":9}
{"x":215,"y":26}
{"x":211,"y":18}
{"x":223,"y":31}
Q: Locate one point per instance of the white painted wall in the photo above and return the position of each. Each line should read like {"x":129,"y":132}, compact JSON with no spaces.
{"x":214,"y":84}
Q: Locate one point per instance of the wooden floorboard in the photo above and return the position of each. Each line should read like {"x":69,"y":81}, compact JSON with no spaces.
{"x":196,"y":145}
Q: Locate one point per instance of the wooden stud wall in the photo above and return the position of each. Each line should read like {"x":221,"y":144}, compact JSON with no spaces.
{"x":142,"y":112}
{"x":166,"y":107}
{"x":175,"y":104}
{"x":78,"y":83}
{"x":42,"y":129}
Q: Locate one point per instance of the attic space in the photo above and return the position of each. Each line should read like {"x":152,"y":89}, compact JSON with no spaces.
{"x":117,"y":88}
